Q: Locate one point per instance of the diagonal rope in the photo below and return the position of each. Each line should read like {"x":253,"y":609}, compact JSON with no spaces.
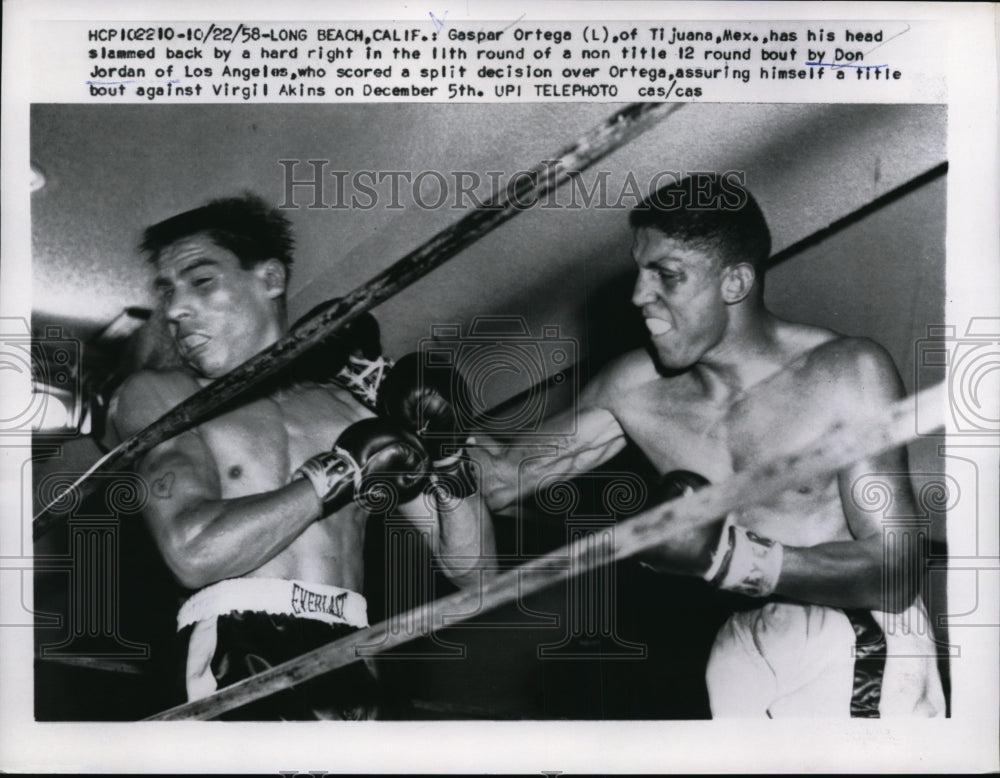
{"x":837,"y":447}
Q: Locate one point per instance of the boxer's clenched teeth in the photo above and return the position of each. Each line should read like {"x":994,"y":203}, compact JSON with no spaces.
{"x":658,"y":326}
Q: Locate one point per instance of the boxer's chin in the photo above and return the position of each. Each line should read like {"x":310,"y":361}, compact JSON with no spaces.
{"x":204,"y":364}
{"x":670,"y":355}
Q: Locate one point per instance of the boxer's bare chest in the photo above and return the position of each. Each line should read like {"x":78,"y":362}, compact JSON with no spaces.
{"x":677,"y":427}
{"x":259,"y":444}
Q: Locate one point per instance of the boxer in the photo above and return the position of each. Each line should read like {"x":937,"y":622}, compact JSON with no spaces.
{"x":725,"y":383}
{"x":261,"y":510}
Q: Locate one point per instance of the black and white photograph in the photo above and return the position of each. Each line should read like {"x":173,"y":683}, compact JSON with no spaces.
{"x":592,"y":418}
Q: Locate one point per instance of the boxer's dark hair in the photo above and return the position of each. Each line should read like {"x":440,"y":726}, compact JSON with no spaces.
{"x":245,"y":225}
{"x":710,"y":212}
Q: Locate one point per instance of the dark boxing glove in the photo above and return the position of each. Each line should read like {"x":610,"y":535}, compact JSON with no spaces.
{"x":686,"y":551}
{"x":742,"y":561}
{"x":351,"y":357}
{"x":369,"y":449}
{"x":425,"y":399}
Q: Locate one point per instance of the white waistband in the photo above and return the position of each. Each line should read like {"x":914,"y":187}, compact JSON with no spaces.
{"x":277,"y":596}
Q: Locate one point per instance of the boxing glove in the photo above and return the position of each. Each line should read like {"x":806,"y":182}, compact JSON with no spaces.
{"x":689,"y":548}
{"x":367,"y":450}
{"x":426,"y":399}
{"x":742,"y":561}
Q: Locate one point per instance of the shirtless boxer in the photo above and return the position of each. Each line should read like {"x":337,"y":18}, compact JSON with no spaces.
{"x":256,"y":508}
{"x":729,"y":385}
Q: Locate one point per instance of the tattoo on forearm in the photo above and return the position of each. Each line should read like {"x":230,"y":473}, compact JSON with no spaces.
{"x":163,"y":486}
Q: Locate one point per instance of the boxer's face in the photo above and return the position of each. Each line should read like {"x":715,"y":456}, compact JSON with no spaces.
{"x":679,"y":290}
{"x":219,"y":313}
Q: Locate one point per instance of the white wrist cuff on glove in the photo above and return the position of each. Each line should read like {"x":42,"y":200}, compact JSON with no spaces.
{"x":745,"y":562}
{"x":326,"y":470}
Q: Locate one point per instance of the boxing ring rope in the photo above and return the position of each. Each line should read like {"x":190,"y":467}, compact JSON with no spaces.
{"x":839,"y":446}
{"x":855,"y":216}
{"x":525,"y":189}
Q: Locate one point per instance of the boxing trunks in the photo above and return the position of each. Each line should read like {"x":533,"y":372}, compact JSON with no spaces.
{"x":239,"y":627}
{"x":789,"y":659}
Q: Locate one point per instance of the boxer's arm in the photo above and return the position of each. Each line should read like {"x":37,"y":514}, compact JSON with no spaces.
{"x":203,"y":537}
{"x":850,"y":573}
{"x":467,"y":543}
{"x":592,"y":437}
{"x":462,"y":538}
{"x":425,"y":399}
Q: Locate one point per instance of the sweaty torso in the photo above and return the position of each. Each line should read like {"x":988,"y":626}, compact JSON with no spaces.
{"x":256,"y":449}
{"x":677,"y":426}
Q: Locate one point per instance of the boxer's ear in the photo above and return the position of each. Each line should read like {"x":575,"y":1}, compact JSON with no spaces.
{"x":737,"y":281}
{"x":272,"y":273}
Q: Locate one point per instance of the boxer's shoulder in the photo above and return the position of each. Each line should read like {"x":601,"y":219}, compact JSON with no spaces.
{"x":853,"y":369}
{"x":169,"y":384}
{"x":624,"y":374}
{"x":146,"y":395}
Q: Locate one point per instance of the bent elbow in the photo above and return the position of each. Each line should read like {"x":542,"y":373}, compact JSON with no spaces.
{"x":190,"y":564}
{"x":896,"y":600}
{"x":190,"y":576}
{"x":898,"y":588}
{"x":499,"y":500}
{"x":466,"y":576}
{"x":189,"y":579}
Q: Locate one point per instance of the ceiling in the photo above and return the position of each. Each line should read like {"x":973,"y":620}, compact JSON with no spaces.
{"x":111,"y":170}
